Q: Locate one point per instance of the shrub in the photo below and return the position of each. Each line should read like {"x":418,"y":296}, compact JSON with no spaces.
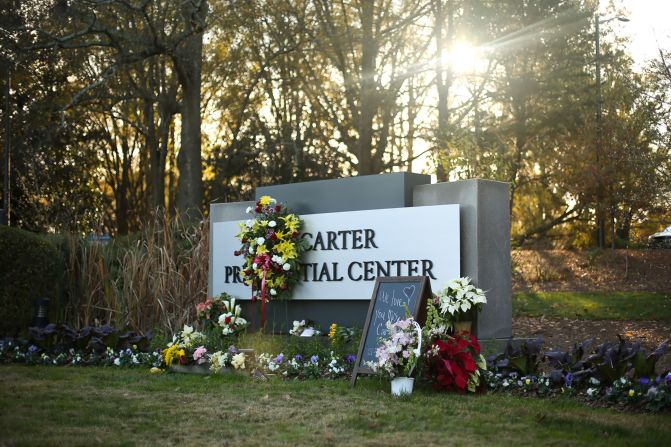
{"x":28,"y":270}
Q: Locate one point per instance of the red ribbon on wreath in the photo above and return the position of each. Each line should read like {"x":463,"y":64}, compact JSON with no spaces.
{"x":263,"y":262}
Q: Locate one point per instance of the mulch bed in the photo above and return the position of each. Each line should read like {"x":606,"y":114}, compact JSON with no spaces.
{"x":563,"y":333}
{"x":605,"y":271}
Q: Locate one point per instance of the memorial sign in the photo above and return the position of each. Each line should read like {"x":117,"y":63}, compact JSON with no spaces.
{"x":391,"y":297}
{"x":349,"y":250}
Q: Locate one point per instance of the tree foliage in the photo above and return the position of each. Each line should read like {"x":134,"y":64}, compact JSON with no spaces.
{"x":122,"y":107}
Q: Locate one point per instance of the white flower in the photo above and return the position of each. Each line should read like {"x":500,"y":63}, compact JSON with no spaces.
{"x":249,"y":209}
{"x":238,"y":361}
{"x":249,"y":223}
{"x":591,"y":391}
{"x":273,"y":292}
{"x":117,"y":361}
{"x":223,"y":317}
{"x":278,"y":259}
{"x":251,"y":250}
{"x":218,"y":360}
{"x":255,"y":266}
{"x":272,"y":224}
{"x":286,"y":267}
{"x":594,"y":381}
{"x":260,"y":240}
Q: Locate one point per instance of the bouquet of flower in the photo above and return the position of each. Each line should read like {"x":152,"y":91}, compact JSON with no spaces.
{"x":303,"y":329}
{"x":459,"y":298}
{"x":271,"y":248}
{"x":231,"y":357}
{"x":399,"y":351}
{"x":221,"y":315}
{"x":454,"y":363}
{"x":186,"y":347}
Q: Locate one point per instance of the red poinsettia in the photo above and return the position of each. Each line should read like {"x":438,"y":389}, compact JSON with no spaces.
{"x":451,"y":362}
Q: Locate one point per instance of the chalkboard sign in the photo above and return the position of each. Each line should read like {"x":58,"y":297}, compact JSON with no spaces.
{"x":391,"y":296}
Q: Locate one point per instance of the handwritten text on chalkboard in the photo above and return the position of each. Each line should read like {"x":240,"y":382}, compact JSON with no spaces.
{"x":393,"y":298}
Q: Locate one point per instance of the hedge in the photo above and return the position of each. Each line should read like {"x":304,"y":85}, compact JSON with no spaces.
{"x":29,"y":269}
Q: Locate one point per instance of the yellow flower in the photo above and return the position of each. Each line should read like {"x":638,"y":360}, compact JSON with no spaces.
{"x":291,"y":222}
{"x":155,"y":370}
{"x":332,"y":330}
{"x":170,"y":354}
{"x":261,"y":249}
{"x":280,"y":235}
{"x":265,"y":200}
{"x":286,"y":249}
{"x":632,"y":393}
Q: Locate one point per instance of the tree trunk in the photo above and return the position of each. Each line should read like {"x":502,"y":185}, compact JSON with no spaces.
{"x":443,"y":80}
{"x":367,"y":94}
{"x":152,"y":147}
{"x":188,"y":64}
{"x":624,"y":232}
{"x":412,"y":114}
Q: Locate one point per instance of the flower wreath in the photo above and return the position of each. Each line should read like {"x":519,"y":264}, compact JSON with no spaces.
{"x":271,"y":248}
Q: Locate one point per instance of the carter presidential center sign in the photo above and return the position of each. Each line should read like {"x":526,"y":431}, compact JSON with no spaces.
{"x":349,"y":250}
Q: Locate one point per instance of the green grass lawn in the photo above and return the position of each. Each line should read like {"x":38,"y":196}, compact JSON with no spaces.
{"x":85,"y":406}
{"x":594,"y":305}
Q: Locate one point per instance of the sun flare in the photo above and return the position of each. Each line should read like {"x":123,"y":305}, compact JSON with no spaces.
{"x":463,"y":58}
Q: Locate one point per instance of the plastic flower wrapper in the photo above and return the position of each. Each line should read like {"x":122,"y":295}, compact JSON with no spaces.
{"x":219,"y":360}
{"x":182,"y":346}
{"x":454,"y":364}
{"x":397,"y":354}
{"x":221,"y":315}
{"x":303,"y":328}
{"x":230,"y":322}
{"x":459,"y":297}
{"x":172,"y":354}
{"x":238,"y":360}
{"x":199,"y":355}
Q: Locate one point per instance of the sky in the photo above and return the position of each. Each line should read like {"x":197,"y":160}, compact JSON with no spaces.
{"x":648,"y":28}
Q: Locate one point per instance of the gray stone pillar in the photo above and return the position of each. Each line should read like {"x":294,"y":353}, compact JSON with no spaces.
{"x":485,"y":244}
{"x":367,"y":192}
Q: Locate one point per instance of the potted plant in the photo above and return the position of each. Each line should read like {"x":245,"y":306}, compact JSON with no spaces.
{"x":455,"y":363}
{"x":458,"y":303}
{"x":397,"y":355}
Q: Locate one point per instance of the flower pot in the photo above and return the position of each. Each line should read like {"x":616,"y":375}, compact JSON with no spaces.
{"x":461,"y":326}
{"x":401,"y":386}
